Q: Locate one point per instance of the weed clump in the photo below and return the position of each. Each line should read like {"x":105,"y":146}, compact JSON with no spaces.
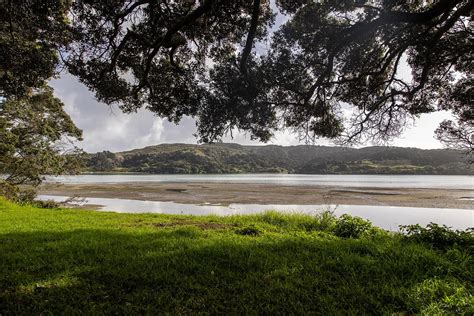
{"x":323,"y":222}
{"x":437,"y":296}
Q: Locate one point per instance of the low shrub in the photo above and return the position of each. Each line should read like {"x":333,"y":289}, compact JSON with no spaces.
{"x":351,"y":226}
{"x":50,"y":204}
{"x":439,"y":237}
{"x":16,"y":194}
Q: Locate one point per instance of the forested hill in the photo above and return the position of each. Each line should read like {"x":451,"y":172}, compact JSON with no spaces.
{"x":234,"y":158}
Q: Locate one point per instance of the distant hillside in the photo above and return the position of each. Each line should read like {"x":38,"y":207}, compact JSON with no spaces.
{"x":235,"y":158}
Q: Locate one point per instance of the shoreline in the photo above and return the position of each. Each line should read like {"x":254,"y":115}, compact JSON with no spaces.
{"x":242,"y":193}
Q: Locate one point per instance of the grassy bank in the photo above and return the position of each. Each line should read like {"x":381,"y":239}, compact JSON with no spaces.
{"x":65,"y":261}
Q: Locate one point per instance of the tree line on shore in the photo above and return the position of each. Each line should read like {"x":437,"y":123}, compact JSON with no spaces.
{"x":302,"y":159}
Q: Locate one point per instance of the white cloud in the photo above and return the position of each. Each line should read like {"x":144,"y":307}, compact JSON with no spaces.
{"x":154,"y":134}
{"x":421,"y":135}
{"x":107,"y":128}
{"x":104,"y":127}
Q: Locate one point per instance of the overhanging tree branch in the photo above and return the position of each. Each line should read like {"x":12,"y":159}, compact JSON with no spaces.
{"x":250,"y":38}
{"x":191,"y":17}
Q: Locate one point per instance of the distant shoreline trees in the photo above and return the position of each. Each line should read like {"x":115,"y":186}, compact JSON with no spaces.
{"x":233,"y":158}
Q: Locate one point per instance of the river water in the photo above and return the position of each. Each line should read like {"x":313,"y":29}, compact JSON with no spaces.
{"x":387,"y":217}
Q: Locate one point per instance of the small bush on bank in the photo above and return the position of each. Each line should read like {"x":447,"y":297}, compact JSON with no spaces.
{"x":351,"y":226}
{"x":439,"y":237}
{"x":49,"y":204}
{"x":16,"y":194}
{"x":24,"y":196}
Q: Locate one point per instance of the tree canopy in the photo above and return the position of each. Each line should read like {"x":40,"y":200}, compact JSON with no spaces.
{"x":31,"y":34}
{"x":36,"y":139}
{"x":36,"y":135}
{"x":223,"y":63}
{"x":228,"y":65}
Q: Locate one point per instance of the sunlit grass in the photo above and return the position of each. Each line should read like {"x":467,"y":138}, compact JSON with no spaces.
{"x":66,"y":261}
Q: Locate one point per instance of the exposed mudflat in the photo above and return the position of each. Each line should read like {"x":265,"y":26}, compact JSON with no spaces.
{"x":227,"y":193}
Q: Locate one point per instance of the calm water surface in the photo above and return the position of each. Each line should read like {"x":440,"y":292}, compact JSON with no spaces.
{"x":382,"y":181}
{"x":387,"y":217}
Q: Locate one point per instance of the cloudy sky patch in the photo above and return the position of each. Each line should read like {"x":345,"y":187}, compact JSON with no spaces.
{"x":107,"y":128}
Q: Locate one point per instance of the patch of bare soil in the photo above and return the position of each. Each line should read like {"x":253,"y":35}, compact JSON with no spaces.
{"x":266,"y":194}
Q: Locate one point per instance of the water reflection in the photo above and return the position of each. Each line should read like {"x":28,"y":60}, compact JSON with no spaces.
{"x":387,"y":217}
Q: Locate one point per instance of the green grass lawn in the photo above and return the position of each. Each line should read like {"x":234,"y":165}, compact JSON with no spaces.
{"x":72,"y":261}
